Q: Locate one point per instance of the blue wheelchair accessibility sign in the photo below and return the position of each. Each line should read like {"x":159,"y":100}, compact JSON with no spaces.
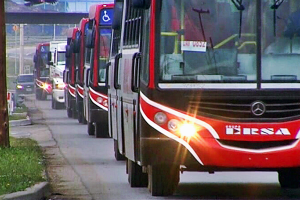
{"x":106,"y":16}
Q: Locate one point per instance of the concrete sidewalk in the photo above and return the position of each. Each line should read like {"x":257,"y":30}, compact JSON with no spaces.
{"x":20,"y":129}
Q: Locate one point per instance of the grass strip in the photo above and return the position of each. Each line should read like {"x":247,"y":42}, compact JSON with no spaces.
{"x":21,"y":165}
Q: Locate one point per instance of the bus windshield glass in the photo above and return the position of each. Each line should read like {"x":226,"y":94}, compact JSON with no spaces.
{"x":44,"y":56}
{"x":280,"y":41}
{"x":216,"y":41}
{"x":104,"y":47}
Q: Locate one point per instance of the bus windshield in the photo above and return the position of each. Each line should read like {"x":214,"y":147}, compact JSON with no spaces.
{"x":216,"y":41}
{"x":104,"y":47}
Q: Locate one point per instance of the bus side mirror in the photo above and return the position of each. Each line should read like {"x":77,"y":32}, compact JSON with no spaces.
{"x":117,"y":19}
{"x":90,"y":35}
{"x":76,"y":43}
{"x":49,"y":56}
{"x":34,"y":58}
{"x":141,"y":4}
{"x":68,"y":51}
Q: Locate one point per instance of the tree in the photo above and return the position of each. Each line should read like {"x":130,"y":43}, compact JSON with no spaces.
{"x":4,"y":125}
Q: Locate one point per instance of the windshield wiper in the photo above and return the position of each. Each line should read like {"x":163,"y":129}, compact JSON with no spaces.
{"x":275,"y":6}
{"x":238,"y":4}
{"x":203,"y":32}
{"x":201,"y":24}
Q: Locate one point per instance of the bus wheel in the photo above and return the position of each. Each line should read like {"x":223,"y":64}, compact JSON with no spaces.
{"x":80,"y":117}
{"x":118,"y":155}
{"x":54,"y":104}
{"x":84,"y":120}
{"x":136,"y":177}
{"x":101,"y":130}
{"x":37,"y":94}
{"x":69,"y":112}
{"x":75,"y":114}
{"x":289,"y":178}
{"x":90,"y":128}
{"x":163,"y":179}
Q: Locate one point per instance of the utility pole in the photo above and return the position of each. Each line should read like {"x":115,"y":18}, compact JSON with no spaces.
{"x":21,"y":58}
{"x":4,"y":126}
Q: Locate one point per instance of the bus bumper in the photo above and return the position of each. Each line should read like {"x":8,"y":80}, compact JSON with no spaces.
{"x":209,"y":154}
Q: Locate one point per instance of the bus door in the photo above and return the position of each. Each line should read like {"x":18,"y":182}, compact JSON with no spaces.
{"x":129,"y":79}
{"x":115,"y":128}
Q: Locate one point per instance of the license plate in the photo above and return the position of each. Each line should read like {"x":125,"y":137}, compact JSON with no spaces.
{"x":28,"y":89}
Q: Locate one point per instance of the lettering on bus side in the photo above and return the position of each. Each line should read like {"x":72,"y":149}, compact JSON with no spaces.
{"x":237,"y":130}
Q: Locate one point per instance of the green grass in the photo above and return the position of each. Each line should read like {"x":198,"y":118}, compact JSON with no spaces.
{"x":17,"y":114}
{"x":21,"y":109}
{"x":16,"y":117}
{"x":21,"y":165}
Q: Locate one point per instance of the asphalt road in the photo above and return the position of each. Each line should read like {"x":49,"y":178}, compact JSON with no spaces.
{"x":93,"y":165}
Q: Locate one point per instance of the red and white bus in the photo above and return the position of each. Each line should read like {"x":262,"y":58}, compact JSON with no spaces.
{"x":79,"y":47}
{"x":41,"y":72}
{"x":70,"y":73}
{"x":206,"y":85}
{"x":98,"y":39}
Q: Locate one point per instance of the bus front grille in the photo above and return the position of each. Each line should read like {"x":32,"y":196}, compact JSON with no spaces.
{"x":241,"y":109}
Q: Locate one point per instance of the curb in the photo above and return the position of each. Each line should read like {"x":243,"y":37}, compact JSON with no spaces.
{"x":37,"y":192}
{"x":21,"y":122}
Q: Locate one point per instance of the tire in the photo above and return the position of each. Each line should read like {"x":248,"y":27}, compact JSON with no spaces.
{"x":69,"y":112}
{"x":163,"y":179}
{"x":90,"y":128}
{"x":37,"y":94}
{"x":80,"y":118}
{"x":118,"y":155}
{"x":136,"y":177}
{"x":75,"y":113}
{"x":101,"y":130}
{"x":84,"y":120}
{"x":54,"y":104}
{"x":289,"y":178}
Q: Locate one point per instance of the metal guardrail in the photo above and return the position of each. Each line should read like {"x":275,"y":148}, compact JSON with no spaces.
{"x":12,"y":41}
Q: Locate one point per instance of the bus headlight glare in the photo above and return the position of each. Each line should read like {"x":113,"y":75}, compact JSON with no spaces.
{"x":160,"y":118}
{"x":187,"y":130}
{"x":46,"y":86}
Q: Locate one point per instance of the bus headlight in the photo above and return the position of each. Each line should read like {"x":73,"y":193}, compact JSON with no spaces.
{"x":160,"y":118}
{"x":60,"y":86}
{"x":173,"y":125}
{"x":99,"y":100}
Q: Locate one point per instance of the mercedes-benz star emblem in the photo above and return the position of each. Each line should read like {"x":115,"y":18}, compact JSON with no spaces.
{"x":258,"y":108}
